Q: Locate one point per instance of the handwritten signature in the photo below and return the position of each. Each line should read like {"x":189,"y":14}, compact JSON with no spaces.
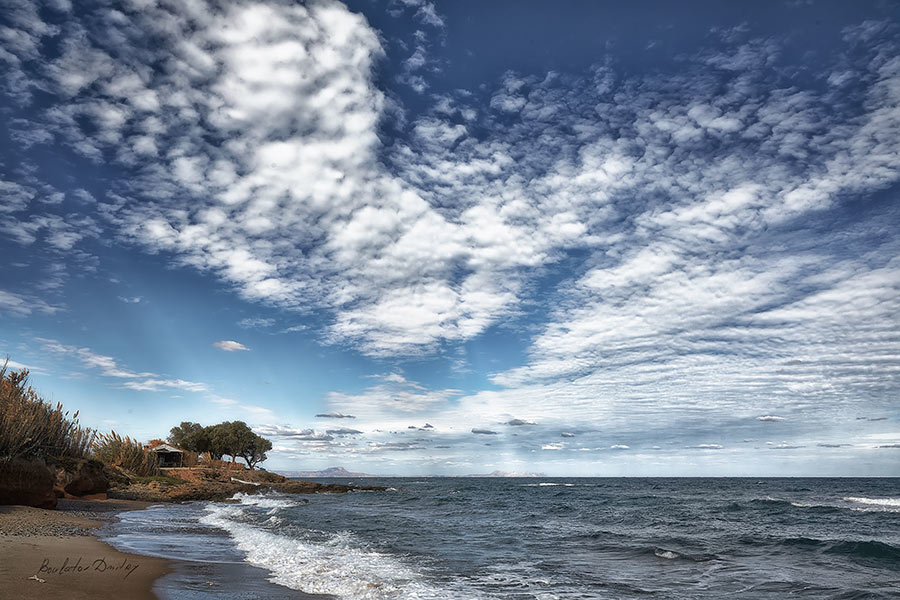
{"x":100,"y":565}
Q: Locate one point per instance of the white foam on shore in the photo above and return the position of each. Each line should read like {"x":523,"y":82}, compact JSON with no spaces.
{"x":339,"y":566}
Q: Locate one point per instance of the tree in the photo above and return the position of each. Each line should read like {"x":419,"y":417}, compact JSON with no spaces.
{"x":232,"y":438}
{"x":255,"y":451}
{"x":190,"y":436}
{"x":179,"y":436}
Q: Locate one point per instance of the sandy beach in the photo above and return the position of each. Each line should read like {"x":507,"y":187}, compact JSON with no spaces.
{"x":53,"y":554}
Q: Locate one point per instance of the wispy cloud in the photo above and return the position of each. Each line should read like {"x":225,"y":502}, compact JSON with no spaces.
{"x":256,"y":323}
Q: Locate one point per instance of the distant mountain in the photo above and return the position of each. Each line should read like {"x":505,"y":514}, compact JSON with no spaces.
{"x":507,"y":474}
{"x":329,"y":472}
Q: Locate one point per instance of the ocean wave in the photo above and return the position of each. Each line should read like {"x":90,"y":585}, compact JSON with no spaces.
{"x":339,"y":566}
{"x":860,"y":549}
{"x":849,"y":503}
{"x":265,"y":500}
{"x":866,"y":549}
{"x":548,"y":484}
{"x":674,"y":555}
{"x":885,"y":504}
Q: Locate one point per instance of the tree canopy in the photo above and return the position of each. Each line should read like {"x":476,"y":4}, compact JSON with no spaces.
{"x":231,"y":438}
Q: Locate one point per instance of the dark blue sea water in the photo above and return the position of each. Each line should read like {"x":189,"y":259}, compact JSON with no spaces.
{"x":550,"y":538}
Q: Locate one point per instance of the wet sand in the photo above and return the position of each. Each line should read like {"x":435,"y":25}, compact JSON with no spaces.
{"x":55,"y":554}
{"x":75,"y":567}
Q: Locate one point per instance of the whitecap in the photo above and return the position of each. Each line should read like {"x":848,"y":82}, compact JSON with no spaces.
{"x":339,"y":565}
{"x":885,"y":504}
{"x":264,"y":500}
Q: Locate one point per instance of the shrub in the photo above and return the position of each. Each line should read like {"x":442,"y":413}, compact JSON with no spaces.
{"x":125,"y":453}
{"x":33,"y":428}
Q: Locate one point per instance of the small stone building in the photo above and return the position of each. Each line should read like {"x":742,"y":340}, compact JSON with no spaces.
{"x":168,"y":456}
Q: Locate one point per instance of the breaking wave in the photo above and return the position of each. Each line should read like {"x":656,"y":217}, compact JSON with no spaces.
{"x":337,"y":564}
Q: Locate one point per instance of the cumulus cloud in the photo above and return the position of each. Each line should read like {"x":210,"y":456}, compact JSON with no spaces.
{"x":713,"y":233}
{"x":289,"y":433}
{"x":230,"y":346}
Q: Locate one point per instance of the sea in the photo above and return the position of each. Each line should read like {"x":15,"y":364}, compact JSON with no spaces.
{"x":544,"y":538}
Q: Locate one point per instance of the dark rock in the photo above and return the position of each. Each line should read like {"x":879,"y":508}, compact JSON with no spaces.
{"x":201,"y":488}
{"x":312,"y":487}
{"x":81,"y":477}
{"x":28,"y":483}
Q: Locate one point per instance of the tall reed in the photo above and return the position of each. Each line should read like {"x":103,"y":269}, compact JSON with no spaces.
{"x":30,"y":427}
{"x":125,"y":453}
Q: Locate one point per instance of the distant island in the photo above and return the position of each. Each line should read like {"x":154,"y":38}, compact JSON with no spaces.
{"x":506,"y":474}
{"x":329,"y":472}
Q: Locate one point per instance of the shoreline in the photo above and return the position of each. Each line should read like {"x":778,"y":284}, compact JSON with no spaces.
{"x":59,"y":553}
{"x":56,"y":553}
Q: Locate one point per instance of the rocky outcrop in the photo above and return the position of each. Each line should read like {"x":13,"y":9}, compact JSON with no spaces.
{"x":80,"y":477}
{"x":28,"y":483}
{"x":209,"y":486}
{"x":311,"y":487}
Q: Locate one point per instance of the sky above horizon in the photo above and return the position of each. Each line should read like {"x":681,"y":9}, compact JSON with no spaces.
{"x":413,"y":237}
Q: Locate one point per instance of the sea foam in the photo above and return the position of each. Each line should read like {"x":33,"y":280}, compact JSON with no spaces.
{"x":264,"y":500}
{"x":885,"y":504}
{"x":338,"y":565}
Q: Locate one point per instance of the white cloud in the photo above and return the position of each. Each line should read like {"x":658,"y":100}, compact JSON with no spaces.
{"x":700,"y":214}
{"x":230,"y":346}
{"x":770,"y":418}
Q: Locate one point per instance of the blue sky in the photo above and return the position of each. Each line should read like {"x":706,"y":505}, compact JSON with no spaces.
{"x":410,"y":237}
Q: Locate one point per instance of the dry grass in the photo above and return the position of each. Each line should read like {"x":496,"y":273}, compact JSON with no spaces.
{"x":125,"y":453}
{"x":33,"y":428}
